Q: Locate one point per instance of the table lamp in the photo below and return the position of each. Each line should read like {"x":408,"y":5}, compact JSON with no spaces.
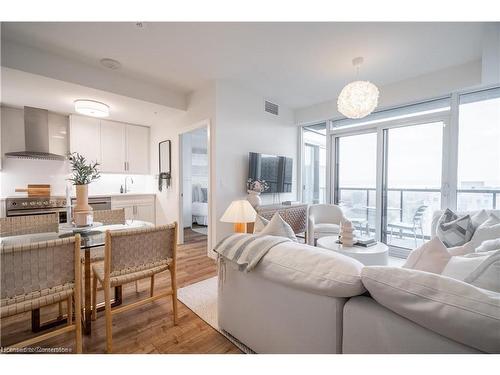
{"x":239,"y":213}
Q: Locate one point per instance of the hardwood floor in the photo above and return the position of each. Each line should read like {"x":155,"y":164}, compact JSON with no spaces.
{"x":148,"y":329}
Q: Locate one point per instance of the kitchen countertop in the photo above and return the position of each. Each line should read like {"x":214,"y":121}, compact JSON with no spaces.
{"x":129,"y":194}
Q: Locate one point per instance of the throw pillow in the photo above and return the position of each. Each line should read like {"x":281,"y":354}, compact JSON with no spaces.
{"x":489,"y":245}
{"x":454,"y":230}
{"x":478,"y":218}
{"x":278,"y":227}
{"x":452,"y":308}
{"x":487,"y":274}
{"x":489,"y":230}
{"x":432,"y":256}
{"x":260,"y":223}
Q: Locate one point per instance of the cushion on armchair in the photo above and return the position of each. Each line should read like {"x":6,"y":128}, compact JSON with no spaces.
{"x":452,"y":308}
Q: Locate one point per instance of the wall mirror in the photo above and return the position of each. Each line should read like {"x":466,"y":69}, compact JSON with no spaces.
{"x":165,"y":165}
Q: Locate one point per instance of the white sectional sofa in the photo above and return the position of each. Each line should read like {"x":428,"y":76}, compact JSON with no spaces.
{"x":292,"y":305}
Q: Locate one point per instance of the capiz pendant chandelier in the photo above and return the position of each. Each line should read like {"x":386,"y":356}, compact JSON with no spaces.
{"x":359,"y":98}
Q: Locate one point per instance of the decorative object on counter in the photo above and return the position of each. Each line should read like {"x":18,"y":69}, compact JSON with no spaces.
{"x":254,"y":188}
{"x":121,"y":189}
{"x":346,"y":234}
{"x":239,"y":213}
{"x":165,"y":164}
{"x":83,"y":173}
{"x":35,"y":190}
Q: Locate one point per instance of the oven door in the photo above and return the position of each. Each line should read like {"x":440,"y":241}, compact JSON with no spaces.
{"x":60,"y":212}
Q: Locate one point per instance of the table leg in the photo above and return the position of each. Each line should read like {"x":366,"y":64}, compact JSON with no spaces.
{"x":87,"y":327}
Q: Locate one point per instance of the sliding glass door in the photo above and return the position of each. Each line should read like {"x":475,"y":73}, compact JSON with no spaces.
{"x":412,"y":173}
{"x":478,"y":185}
{"x":355,"y":187}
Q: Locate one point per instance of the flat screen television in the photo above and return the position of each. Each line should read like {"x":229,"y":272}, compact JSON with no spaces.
{"x":275,"y":170}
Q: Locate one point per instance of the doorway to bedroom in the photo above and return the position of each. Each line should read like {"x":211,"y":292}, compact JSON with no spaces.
{"x":194,"y":184}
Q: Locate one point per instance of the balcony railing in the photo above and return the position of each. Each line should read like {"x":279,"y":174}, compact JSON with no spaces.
{"x":401,"y":206}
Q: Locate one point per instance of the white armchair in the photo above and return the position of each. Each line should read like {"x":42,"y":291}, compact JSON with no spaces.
{"x":323,"y":220}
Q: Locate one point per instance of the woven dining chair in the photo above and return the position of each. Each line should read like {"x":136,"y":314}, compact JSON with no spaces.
{"x":18,"y":225}
{"x":39,"y":274}
{"x":107,"y":217}
{"x":134,"y":255}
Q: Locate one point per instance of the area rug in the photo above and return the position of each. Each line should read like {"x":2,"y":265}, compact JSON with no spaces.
{"x":201,"y":298}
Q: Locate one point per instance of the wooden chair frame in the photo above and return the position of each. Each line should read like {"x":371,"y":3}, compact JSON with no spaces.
{"x":109,"y":312}
{"x":75,"y":298}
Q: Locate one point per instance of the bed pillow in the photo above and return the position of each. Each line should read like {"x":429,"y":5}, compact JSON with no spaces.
{"x":488,"y":230}
{"x":432,"y":256}
{"x":260,"y":223}
{"x":454,"y":230}
{"x":452,"y":308}
{"x":278,"y":227}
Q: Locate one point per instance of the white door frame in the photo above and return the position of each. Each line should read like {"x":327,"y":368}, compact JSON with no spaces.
{"x":210,"y":143}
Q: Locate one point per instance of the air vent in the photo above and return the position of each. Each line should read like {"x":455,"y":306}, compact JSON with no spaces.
{"x":271,"y":108}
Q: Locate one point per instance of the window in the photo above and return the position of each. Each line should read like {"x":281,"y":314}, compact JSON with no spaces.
{"x":356,"y":179}
{"x":314,"y":164}
{"x":478,"y":184}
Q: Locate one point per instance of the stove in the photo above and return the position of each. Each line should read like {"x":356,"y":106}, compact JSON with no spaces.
{"x":20,"y":206}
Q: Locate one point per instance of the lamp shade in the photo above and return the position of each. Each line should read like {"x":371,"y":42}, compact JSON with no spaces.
{"x":358,"y":99}
{"x":240,"y":211}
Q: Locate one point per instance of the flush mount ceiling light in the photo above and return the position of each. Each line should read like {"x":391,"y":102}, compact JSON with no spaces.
{"x":359,"y":98}
{"x":91,"y":108}
{"x":110,"y":63}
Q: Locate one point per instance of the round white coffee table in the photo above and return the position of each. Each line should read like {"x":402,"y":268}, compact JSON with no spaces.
{"x":376,"y":255}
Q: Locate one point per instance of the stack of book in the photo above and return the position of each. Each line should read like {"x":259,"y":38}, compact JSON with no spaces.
{"x":366,"y":241}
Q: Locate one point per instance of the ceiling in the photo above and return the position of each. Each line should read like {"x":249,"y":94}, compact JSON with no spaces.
{"x":24,"y":89}
{"x":294,"y":64}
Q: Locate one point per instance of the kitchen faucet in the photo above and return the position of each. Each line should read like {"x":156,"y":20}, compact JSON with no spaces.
{"x":131,"y":181}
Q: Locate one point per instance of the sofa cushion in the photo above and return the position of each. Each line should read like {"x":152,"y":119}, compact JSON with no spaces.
{"x":479,"y":269}
{"x":452,"y":308}
{"x":326,"y":228}
{"x":489,"y":245}
{"x":432,"y":256}
{"x":278,"y":227}
{"x":488,"y":230}
{"x":454,"y":230}
{"x":478,"y":218}
{"x":312,"y":269}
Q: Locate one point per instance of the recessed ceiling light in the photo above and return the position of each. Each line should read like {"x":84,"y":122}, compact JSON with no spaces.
{"x":111,"y":63}
{"x":91,"y":108}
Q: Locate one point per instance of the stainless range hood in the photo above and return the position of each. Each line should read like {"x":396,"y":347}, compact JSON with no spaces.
{"x":36,"y":136}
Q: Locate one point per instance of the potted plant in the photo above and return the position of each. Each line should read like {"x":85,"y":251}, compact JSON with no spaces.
{"x":254,"y":188}
{"x":83,"y":173}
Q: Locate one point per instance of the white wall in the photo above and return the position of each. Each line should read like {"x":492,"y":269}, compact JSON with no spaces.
{"x":242,"y":127}
{"x":17,"y":173}
{"x":201,"y":106}
{"x":427,"y":86}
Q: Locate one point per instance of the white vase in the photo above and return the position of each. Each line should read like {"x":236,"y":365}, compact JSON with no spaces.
{"x":254,"y":198}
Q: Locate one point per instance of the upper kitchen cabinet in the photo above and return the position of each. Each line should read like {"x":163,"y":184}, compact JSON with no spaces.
{"x":118,"y":147}
{"x":85,"y":137}
{"x":113,"y":145}
{"x":137,"y":149}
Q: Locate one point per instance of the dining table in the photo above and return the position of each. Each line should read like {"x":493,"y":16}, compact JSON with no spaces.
{"x":92,"y":238}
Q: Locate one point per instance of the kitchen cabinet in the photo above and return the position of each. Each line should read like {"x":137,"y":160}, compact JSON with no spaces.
{"x":117,"y":146}
{"x":113,"y":145}
{"x":85,"y":137}
{"x":137,"y":207}
{"x":137,"y":149}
